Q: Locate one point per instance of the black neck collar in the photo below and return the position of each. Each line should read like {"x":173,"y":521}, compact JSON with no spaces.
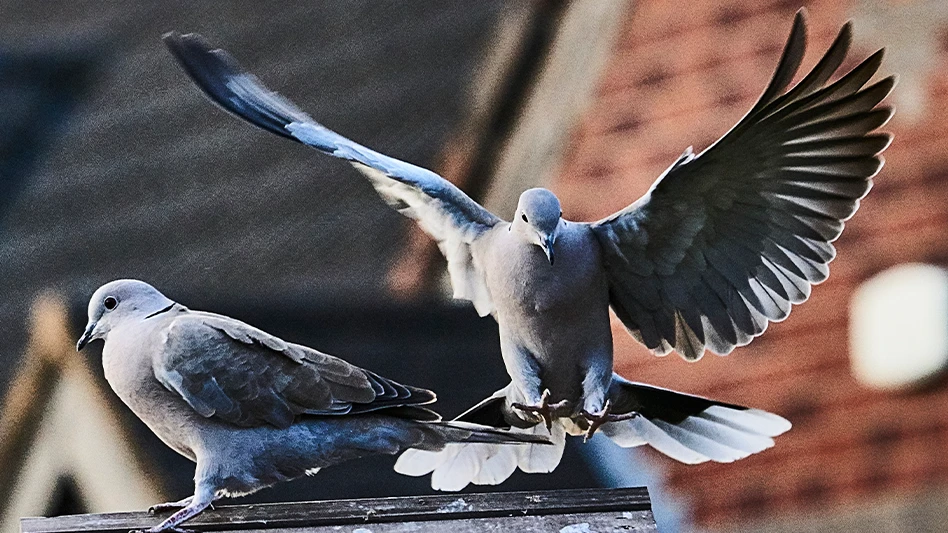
{"x":156,"y":313}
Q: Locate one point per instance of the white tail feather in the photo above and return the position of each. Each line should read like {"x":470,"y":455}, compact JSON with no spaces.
{"x":498,"y":466}
{"x":715,"y":451}
{"x":719,"y":434}
{"x":542,"y":458}
{"x":664,"y":443}
{"x":625,"y":435}
{"x":458,"y":465}
{"x":416,"y":463}
{"x":727,"y":435}
{"x":461,"y":464}
{"x":748,"y":420}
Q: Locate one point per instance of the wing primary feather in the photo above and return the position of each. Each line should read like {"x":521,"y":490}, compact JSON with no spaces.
{"x":855,"y":124}
{"x":858,"y":145}
{"x":787,"y":67}
{"x":214,"y":70}
{"x":847,"y":84}
{"x":824,"y":69}
{"x":851,"y":104}
{"x":441,"y":209}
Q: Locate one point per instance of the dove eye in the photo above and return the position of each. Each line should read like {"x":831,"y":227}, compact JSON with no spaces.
{"x":524,"y":217}
{"x":110,"y":303}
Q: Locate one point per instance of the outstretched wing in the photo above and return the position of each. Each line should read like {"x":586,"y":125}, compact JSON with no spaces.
{"x":441,"y":209}
{"x":727,"y":240}
{"x":226,"y":369}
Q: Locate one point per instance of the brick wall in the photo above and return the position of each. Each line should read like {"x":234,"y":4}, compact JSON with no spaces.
{"x":680,"y":78}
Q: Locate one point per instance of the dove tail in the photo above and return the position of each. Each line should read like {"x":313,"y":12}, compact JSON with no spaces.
{"x":689,"y":428}
{"x":480,"y":463}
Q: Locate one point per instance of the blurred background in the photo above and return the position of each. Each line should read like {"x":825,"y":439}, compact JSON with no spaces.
{"x":113,"y":165}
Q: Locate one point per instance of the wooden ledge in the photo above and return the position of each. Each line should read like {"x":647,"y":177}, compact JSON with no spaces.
{"x":523,"y":511}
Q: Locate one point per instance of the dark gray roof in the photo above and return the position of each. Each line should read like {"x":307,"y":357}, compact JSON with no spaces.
{"x":146,"y":179}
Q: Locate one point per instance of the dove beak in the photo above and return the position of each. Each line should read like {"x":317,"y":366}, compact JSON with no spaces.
{"x":547,"y":247}
{"x":86,"y":337}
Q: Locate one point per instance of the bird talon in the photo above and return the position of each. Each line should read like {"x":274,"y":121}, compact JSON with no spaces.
{"x":159,"y":529}
{"x":545,"y":409}
{"x":169,"y":506}
{"x":602,"y":417}
{"x":538,"y":410}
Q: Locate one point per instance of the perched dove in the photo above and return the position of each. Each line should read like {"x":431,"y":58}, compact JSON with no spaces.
{"x":723,"y":243}
{"x":249,"y":408}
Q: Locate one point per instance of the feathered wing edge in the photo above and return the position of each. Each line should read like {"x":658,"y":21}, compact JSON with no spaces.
{"x":442,"y":210}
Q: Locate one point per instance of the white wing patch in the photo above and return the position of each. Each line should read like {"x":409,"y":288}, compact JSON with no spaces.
{"x":453,"y":233}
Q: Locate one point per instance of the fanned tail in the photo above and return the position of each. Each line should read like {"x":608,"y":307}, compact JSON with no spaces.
{"x":688,"y":428}
{"x":460,"y":464}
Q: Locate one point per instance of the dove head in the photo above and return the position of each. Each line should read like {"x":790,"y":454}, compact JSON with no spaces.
{"x":538,"y":218}
{"x":118,"y":301}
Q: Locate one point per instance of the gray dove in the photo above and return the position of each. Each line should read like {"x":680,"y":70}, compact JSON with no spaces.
{"x":725,"y":242}
{"x":249,"y":408}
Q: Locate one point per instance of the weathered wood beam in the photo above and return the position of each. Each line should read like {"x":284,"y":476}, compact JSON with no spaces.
{"x":629,"y":507}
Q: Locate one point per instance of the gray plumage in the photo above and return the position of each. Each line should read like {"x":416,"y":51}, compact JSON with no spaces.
{"x":249,"y":408}
{"x":725,"y":242}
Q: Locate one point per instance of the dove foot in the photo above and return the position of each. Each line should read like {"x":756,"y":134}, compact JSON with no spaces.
{"x":597,"y":419}
{"x":170,"y":506}
{"x":172,"y":529}
{"x":193,"y":508}
{"x":545,"y":409}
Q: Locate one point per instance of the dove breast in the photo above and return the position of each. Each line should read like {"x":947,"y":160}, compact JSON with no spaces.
{"x":127,"y":362}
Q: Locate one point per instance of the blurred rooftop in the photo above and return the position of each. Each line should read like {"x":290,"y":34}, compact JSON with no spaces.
{"x":113,"y":165}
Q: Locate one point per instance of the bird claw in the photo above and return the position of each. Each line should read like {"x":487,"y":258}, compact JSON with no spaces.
{"x":159,"y":529}
{"x":598,"y":419}
{"x":161,"y":507}
{"x":173,"y":529}
{"x":172,"y":506}
{"x":545,"y":409}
